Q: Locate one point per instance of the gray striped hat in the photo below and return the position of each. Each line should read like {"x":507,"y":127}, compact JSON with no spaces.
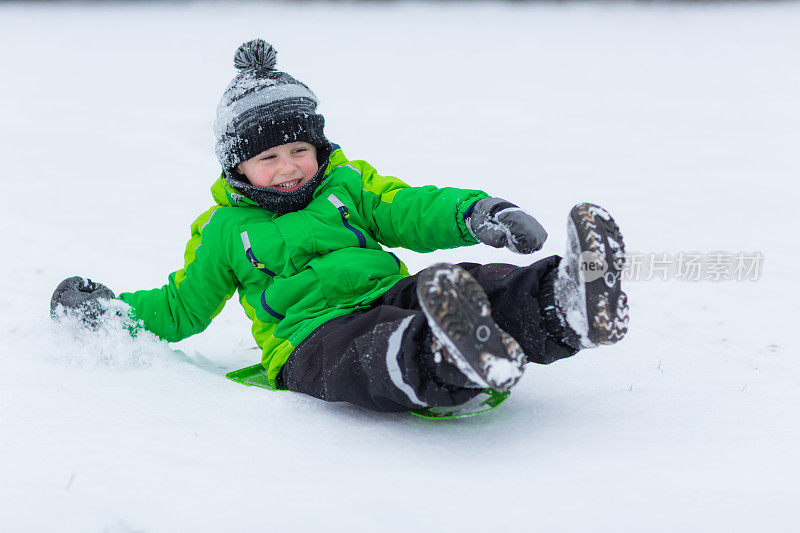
{"x":263,"y":108}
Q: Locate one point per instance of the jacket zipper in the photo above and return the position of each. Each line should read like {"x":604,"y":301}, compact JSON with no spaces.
{"x":251,"y":256}
{"x":345,"y":214}
{"x":268,"y":309}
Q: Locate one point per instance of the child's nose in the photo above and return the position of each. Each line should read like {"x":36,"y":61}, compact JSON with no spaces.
{"x":285,"y":165}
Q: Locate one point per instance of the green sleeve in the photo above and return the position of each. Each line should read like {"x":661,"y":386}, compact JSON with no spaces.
{"x":193,"y":295}
{"x":422,"y":219}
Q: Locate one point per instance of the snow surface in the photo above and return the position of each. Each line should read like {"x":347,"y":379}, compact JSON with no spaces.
{"x":682,"y":120}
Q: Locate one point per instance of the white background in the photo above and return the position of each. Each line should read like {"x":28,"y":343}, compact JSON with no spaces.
{"x":682,"y":120}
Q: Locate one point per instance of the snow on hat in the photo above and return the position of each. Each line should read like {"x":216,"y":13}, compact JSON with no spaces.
{"x":263,"y":108}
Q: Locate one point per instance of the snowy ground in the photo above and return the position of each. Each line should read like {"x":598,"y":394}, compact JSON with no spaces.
{"x":682,"y":120}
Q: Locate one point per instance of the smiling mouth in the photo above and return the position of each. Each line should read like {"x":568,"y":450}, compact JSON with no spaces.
{"x":289,"y":185}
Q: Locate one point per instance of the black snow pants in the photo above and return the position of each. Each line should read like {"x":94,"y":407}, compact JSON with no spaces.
{"x":380,"y":358}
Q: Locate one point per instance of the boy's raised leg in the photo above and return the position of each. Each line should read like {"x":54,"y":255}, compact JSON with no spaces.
{"x":464,"y":332}
{"x":558,"y":306}
{"x":377,"y":358}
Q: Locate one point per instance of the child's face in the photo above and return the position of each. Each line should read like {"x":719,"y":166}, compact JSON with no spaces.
{"x":286,"y":167}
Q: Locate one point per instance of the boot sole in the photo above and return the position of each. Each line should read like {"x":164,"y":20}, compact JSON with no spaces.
{"x":600,"y":240}
{"x":459,"y":315}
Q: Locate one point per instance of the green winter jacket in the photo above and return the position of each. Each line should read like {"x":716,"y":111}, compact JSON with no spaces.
{"x":296,"y":271}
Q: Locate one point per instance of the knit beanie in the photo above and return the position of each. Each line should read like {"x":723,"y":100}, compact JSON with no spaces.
{"x":263,"y":108}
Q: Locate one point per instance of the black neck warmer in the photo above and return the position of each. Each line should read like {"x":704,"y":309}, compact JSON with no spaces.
{"x":278,"y":201}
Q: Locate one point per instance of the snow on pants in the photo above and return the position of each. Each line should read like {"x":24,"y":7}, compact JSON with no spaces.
{"x":380,"y":358}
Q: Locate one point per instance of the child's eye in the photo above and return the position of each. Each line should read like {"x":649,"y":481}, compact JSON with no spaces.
{"x":267,"y":157}
{"x":300,"y":149}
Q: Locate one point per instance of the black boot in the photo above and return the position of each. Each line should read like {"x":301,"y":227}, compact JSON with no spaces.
{"x":588,"y":292}
{"x":464,"y":332}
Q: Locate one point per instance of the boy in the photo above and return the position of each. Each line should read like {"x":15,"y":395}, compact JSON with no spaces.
{"x":297,"y":230}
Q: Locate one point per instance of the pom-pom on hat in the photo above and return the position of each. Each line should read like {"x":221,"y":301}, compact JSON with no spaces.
{"x":263,"y":108}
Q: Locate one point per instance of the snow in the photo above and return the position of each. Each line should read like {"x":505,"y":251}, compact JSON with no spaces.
{"x":680,"y":119}
{"x":570,"y":295}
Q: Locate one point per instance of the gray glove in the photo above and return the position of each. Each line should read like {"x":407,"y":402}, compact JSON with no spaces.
{"x":80,"y":297}
{"x":499,"y":223}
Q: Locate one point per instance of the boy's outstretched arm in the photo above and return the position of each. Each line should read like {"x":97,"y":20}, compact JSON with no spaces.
{"x":193,"y":295}
{"x":422,"y":219}
{"x":429,"y":218}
